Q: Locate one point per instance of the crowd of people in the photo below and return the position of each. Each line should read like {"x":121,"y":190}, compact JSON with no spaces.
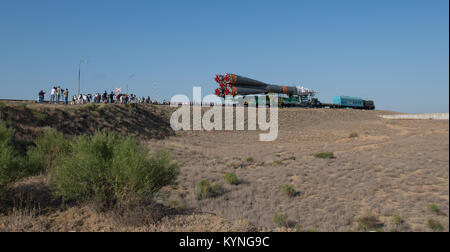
{"x":58,"y":94}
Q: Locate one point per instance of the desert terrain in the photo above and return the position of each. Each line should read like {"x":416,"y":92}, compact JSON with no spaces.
{"x":382,"y":175}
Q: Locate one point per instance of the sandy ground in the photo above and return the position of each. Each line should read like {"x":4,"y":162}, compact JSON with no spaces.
{"x":381,"y":168}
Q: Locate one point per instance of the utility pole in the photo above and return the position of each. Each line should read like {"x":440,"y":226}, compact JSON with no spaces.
{"x":79,"y":76}
{"x":156,"y":93}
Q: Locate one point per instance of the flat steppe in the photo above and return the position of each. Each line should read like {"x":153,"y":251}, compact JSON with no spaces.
{"x":381,"y":168}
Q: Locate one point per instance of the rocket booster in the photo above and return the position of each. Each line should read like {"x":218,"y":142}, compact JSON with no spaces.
{"x":232,"y":85}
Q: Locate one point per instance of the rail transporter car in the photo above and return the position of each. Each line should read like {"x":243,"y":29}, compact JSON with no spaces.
{"x":233,"y":86}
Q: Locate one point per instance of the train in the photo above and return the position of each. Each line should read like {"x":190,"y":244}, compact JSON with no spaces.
{"x":351,"y":102}
{"x":232,"y":86}
{"x":339,"y":102}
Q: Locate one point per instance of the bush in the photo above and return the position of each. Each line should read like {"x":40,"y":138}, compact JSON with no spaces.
{"x":397,"y":220}
{"x":288,"y":190}
{"x":111,"y":169}
{"x":203,"y":187}
{"x":39,"y":115}
{"x":278,"y":162}
{"x":250,"y":160}
{"x":216,"y":189}
{"x":325,"y":155}
{"x":47,"y":150}
{"x":205,"y":190}
{"x":6,"y":133}
{"x":435,"y":225}
{"x":368,"y":223}
{"x":6,"y":155}
{"x":176,"y":204}
{"x":280,"y":220}
{"x":231,"y":178}
{"x":10,"y":162}
{"x":433,"y":208}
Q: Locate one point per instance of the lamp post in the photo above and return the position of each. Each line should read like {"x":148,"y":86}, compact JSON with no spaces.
{"x":79,"y":75}
{"x":129,"y":78}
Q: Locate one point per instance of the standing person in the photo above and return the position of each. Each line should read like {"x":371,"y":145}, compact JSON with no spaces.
{"x":66,"y":96}
{"x":105,"y":97}
{"x":41,"y":96}
{"x":58,"y":94}
{"x":52,"y":95}
{"x":111,"y":97}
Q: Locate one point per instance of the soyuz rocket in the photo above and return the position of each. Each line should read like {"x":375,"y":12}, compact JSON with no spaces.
{"x":232,"y":85}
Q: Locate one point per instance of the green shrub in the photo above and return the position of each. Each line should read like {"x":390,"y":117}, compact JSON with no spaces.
{"x":278,"y":162}
{"x":433,"y":208}
{"x":39,"y":115}
{"x":288,"y":190}
{"x":206,"y":190}
{"x":6,"y":133}
{"x":111,"y":169}
{"x":231,"y":178}
{"x":10,"y":163}
{"x":216,"y":189}
{"x":325,"y":155}
{"x":397,"y":220}
{"x":368,"y":223}
{"x":176,"y":204}
{"x":250,"y":160}
{"x":435,"y":225}
{"x":47,"y":151}
{"x":203,"y":189}
{"x":280,"y":220}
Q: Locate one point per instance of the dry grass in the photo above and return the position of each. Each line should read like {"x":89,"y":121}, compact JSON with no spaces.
{"x":390,"y":168}
{"x":145,"y":121}
{"x":384,"y":171}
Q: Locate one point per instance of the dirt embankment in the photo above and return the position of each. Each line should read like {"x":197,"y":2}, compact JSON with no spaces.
{"x":143,"y":121}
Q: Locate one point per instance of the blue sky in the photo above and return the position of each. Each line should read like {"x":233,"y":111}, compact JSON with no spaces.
{"x":395,"y":52}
